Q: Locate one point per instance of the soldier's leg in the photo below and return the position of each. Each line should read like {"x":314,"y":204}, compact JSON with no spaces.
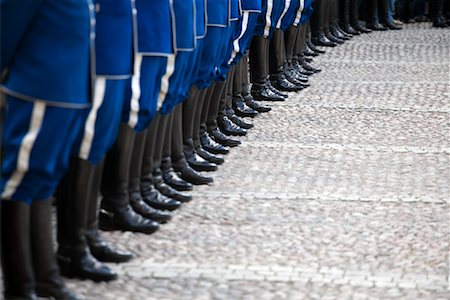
{"x":169,"y":174}
{"x":259,"y":70}
{"x":134,"y":187}
{"x":38,"y":155}
{"x":224,"y":123}
{"x":277,"y":59}
{"x":158,"y":181}
{"x":205,"y":139}
{"x":202,"y":152}
{"x":247,"y":86}
{"x":179,"y":162}
{"x":74,"y":256}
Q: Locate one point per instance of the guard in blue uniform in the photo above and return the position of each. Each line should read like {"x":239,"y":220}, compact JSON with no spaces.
{"x":80,"y":247}
{"x":40,"y":42}
{"x":152,"y":64}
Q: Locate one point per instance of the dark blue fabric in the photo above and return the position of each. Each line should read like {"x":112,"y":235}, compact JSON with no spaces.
{"x":154,"y":27}
{"x":107,"y":120}
{"x":289,"y":17}
{"x":184,"y":24}
{"x":50,"y":153}
{"x":218,"y":12}
{"x":114,"y":37}
{"x":253,"y":5}
{"x":152,"y":70}
{"x":200,"y":17}
{"x":47,"y":49}
{"x":307,"y":11}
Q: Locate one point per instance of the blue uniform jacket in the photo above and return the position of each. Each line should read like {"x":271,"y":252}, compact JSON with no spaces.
{"x":40,"y":66}
{"x":307,"y":11}
{"x":218,"y":12}
{"x":185,"y":26}
{"x":235,"y":10}
{"x":200,"y":18}
{"x":251,"y":5}
{"x":114,"y":38}
{"x":155,"y":28}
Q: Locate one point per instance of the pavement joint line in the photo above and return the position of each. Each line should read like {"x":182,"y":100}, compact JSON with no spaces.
{"x":264,"y":196}
{"x":347,"y":147}
{"x":406,"y":63}
{"x":251,"y":273}
{"x":366,"y":108}
{"x":337,"y":81}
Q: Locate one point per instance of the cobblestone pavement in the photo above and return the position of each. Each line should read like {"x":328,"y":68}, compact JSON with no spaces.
{"x":341,"y":192}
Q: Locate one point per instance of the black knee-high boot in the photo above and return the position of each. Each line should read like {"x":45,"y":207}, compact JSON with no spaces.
{"x":292,"y":73}
{"x":223,"y":121}
{"x":179,"y":162}
{"x":202,"y":152}
{"x":372,"y":16}
{"x":168,"y":173}
{"x":116,"y":211}
{"x":189,"y":114}
{"x":206,"y":141}
{"x":354,"y":26}
{"x":334,"y":21}
{"x":134,"y":186}
{"x":74,"y":256}
{"x":319,"y":23}
{"x":158,"y":180}
{"x":17,"y":265}
{"x":259,"y":70}
{"x":48,"y":279}
{"x":238,"y":104}
{"x":151,"y":195}
{"x":247,"y":86}
{"x":277,"y":62}
{"x":99,"y":248}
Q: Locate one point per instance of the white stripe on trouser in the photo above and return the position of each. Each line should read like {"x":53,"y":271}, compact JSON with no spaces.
{"x":236,"y":46}
{"x":23,"y":158}
{"x":268,"y":18}
{"x":135,"y":92}
{"x":299,"y":13}
{"x":89,"y":127}
{"x":285,"y":10}
{"x":170,"y":68}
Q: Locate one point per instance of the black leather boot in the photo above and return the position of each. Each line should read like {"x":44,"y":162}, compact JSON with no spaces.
{"x":116,"y":212}
{"x":74,"y":256}
{"x":194,"y":160}
{"x":172,"y":178}
{"x":99,"y":248}
{"x":153,"y":197}
{"x":134,"y":187}
{"x":239,"y":106}
{"x":17,"y":264}
{"x":229,"y":112}
{"x":166,"y":189}
{"x":212,"y":158}
{"x":48,"y":279}
{"x":212,"y":146}
{"x":222,"y":138}
{"x":246,"y":88}
{"x":190,"y":175}
{"x":259,"y":70}
{"x":228,"y":127}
